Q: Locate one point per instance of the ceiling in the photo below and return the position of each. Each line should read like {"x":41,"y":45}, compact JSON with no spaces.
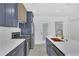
{"x":53,"y":9}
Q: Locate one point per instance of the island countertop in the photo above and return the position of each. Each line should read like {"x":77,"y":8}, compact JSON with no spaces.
{"x":69,"y":48}
{"x":8,"y":45}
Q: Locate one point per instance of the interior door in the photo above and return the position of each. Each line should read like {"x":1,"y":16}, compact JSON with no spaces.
{"x":44,"y":31}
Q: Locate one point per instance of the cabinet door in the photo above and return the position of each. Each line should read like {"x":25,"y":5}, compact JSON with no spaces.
{"x":48,"y":47}
{"x":20,"y":49}
{"x":12,"y":53}
{"x":27,"y":50}
{"x":21,"y":25}
{"x":21,"y":13}
{"x":27,"y":28}
{"x":53,"y":52}
{"x":10,"y":9}
{"x":2,"y":16}
{"x":58,"y":52}
{"x":29,"y":17}
{"x":50,"y":50}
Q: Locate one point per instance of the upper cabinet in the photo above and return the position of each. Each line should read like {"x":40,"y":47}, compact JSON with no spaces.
{"x":21,"y":13}
{"x":2,"y":16}
{"x":11,"y":14}
{"x":30,"y":16}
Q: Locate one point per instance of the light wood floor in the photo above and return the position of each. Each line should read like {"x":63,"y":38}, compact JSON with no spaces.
{"x":39,"y":50}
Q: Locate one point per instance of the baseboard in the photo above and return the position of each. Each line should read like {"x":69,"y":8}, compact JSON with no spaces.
{"x":39,"y":42}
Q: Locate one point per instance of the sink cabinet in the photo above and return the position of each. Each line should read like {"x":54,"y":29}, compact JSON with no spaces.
{"x":52,"y":50}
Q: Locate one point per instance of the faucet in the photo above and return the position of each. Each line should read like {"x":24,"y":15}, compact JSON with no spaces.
{"x":66,"y":40}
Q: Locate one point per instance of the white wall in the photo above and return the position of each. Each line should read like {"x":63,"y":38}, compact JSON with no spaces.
{"x":5,"y":32}
{"x":42,"y":12}
{"x":70,"y":28}
{"x":74,"y":28}
{"x":65,"y":21}
{"x":38,"y":21}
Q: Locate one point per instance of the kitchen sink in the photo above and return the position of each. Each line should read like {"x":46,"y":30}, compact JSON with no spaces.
{"x":56,"y":39}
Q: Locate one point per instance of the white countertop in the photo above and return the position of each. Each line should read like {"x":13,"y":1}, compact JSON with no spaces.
{"x":8,"y":45}
{"x":69,"y":48}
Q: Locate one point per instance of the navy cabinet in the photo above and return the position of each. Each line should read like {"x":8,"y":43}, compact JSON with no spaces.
{"x":2,"y":15}
{"x":27,"y":28}
{"x":12,"y":53}
{"x":11,"y":14}
{"x":48,"y":47}
{"x":18,"y":51}
{"x":8,"y":14}
{"x":30,"y":17}
{"x":52,"y":50}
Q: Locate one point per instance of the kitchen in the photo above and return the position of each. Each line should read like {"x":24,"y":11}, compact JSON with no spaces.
{"x":39,"y":29}
{"x":16,"y":30}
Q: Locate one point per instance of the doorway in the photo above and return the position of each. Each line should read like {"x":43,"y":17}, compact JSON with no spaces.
{"x":44,"y":31}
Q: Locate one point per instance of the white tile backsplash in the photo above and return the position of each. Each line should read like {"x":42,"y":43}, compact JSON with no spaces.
{"x":5,"y":32}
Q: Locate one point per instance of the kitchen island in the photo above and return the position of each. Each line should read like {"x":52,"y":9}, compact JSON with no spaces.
{"x":64,"y":48}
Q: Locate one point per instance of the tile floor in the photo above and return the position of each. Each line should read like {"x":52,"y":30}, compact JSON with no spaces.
{"x":39,"y":50}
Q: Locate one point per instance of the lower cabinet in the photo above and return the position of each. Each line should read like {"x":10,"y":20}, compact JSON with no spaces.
{"x":52,"y":50}
{"x":12,"y":53}
{"x":18,"y":51}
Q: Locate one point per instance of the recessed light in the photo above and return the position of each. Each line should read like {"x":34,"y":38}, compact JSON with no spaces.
{"x":68,"y":4}
{"x":58,"y":11}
